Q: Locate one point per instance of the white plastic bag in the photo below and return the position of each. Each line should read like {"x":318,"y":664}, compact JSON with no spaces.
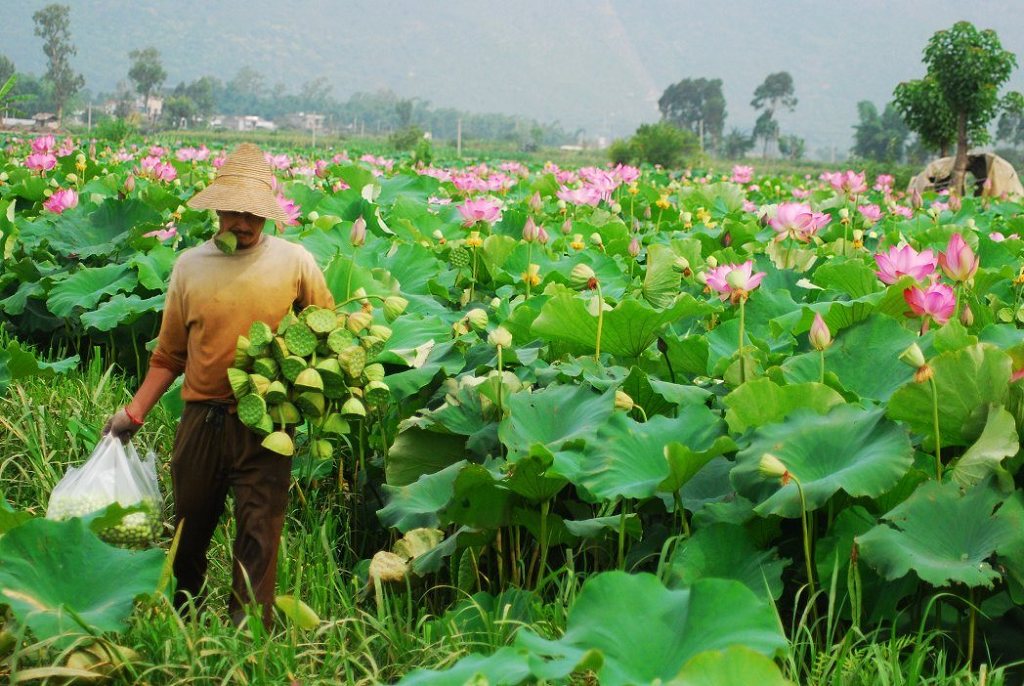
{"x":114,"y":473}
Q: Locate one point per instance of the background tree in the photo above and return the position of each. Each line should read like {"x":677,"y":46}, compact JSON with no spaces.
{"x":1010,"y":128}
{"x":776,"y":91}
{"x":792,"y":147}
{"x":53,"y":25}
{"x":6,"y":69}
{"x":735,"y":145}
{"x":879,"y":137}
{"x":146,"y":72}
{"x":697,"y":105}
{"x":925,"y":112}
{"x":969,"y":68}
{"x":178,"y":111}
{"x":766,"y":129}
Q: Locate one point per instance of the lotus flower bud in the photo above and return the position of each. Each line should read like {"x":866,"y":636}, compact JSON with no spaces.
{"x":913,"y":356}
{"x":495,"y":303}
{"x":820,"y":336}
{"x":623,"y":401}
{"x":967,"y":316}
{"x":477,"y":318}
{"x":500,"y":337}
{"x":616,"y":208}
{"x":439,"y":237}
{"x":647,"y":212}
{"x":712,"y":261}
{"x":595,"y":239}
{"x":542,"y":236}
{"x":844,"y":213}
{"x":530,"y":230}
{"x":567,"y":227}
{"x":954,"y":202}
{"x":394,"y":306}
{"x":536,"y":204}
{"x":582,"y":276}
{"x":72,"y":178}
{"x":771,"y":467}
{"x":634,"y":247}
{"x":358,"y":233}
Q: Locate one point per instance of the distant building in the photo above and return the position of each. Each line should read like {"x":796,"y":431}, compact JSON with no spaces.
{"x":249,"y":122}
{"x":307,"y":121}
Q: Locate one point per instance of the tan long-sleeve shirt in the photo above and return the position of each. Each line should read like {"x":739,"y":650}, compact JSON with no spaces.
{"x":214,"y":298}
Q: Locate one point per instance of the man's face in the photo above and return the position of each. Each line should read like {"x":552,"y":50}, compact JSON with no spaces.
{"x":246,"y":227}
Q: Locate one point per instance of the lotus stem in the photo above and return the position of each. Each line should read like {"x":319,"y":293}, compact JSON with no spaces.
{"x":600,"y":322}
{"x":807,"y":538}
{"x":348,"y":300}
{"x":472,"y":284}
{"x":971,"y":624}
{"x":351,"y":268}
{"x":821,"y":373}
{"x":622,"y":534}
{"x":739,"y":348}
{"x":643,"y":413}
{"x":678,"y":500}
{"x":935,"y":428}
{"x":529,"y":256}
{"x":545,"y":507}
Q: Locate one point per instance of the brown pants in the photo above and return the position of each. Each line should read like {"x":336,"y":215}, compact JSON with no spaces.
{"x":214,"y":451}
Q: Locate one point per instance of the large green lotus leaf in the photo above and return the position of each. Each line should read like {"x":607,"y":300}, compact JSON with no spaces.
{"x":865,"y":357}
{"x":560,"y":418}
{"x":632,"y":630}
{"x":9,"y":517}
{"x":417,"y":451}
{"x":629,"y":328}
{"x":1011,"y":552}
{"x":409,"y":332}
{"x":967,"y":380}
{"x":528,"y":476}
{"x":661,"y":280}
{"x":507,"y":665}
{"x":478,"y":500}
{"x":761,"y":401}
{"x":121,"y":310}
{"x":727,"y":551}
{"x":15,"y":303}
{"x":22,"y":363}
{"x":853,"y":277}
{"x":443,"y":358}
{"x":49,"y":570}
{"x":998,"y":440}
{"x":87,"y":286}
{"x":850,"y":449}
{"x":942,"y":534}
{"x":122,"y":216}
{"x":417,"y":504}
{"x":154,"y":267}
{"x":660,"y":397}
{"x":735,"y":666}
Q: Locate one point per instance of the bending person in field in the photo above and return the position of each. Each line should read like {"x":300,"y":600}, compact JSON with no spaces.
{"x":215,"y":294}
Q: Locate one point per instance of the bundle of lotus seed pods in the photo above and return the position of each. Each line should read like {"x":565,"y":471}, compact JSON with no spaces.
{"x":318,"y":367}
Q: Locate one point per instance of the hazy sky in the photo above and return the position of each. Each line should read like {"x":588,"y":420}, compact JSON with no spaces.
{"x":595,"y":64}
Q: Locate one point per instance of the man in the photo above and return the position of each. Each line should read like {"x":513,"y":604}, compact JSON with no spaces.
{"x":214,"y":295}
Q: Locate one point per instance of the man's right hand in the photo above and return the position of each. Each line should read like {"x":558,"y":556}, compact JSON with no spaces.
{"x":121,"y":426}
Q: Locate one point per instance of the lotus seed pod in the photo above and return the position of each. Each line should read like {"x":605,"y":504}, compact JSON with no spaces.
{"x":300,"y":339}
{"x":287,"y":320}
{"x":267,"y":366}
{"x":251,"y":409}
{"x":623,"y":401}
{"x":285,"y":413}
{"x":353,"y":361}
{"x":311,"y":404}
{"x":321,"y":449}
{"x":477,"y":318}
{"x":260,"y":334}
{"x":309,"y":380}
{"x":394,"y":306}
{"x":339,"y":339}
{"x":335,"y":425}
{"x":377,"y":393}
{"x":581,"y":277}
{"x":264,"y":426}
{"x":279,"y":442}
{"x":374,"y":372}
{"x":259,"y":384}
{"x":239,"y":382}
{"x":382,"y":332}
{"x":771,"y":467}
{"x":913,"y":356}
{"x":276,"y":393}
{"x":322,"y":321}
{"x":373,"y":345}
{"x":357,"y":321}
{"x":459,"y":257}
{"x":353,"y":408}
{"x":500,"y":336}
{"x":333,"y":378}
{"x":279,"y":349}
{"x":291,"y":366}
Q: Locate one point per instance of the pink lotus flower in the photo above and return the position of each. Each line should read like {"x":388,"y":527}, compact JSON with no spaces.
{"x":587,"y":195}
{"x":797,"y":220}
{"x":940,"y":206}
{"x":152,"y":167}
{"x":742,"y":173}
{"x":66,"y":148}
{"x":801,"y":193}
{"x":44,"y":144}
{"x":734,"y":281}
{"x":162,"y":234}
{"x":625,"y":173}
{"x":819,"y":336}
{"x":157,"y":151}
{"x":872,"y":213}
{"x":63,"y":199}
{"x":749,"y":206}
{"x":935,"y":303}
{"x":479,"y":210}
{"x":40,"y":161}
{"x":905,"y":261}
{"x":290,"y":208}
{"x":959,"y":262}
{"x":848,"y":182}
{"x":884,"y":182}
{"x":902,"y":211}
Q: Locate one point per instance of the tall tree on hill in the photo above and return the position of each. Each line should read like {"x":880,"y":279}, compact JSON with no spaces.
{"x":926,"y":113}
{"x":776,"y":91}
{"x":1011,"y":124}
{"x":146,"y":72}
{"x":968,"y":68}
{"x":53,"y":25}
{"x":6,"y":69}
{"x":697,"y":105}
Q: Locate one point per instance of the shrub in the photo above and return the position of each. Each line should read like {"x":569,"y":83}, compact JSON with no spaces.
{"x":660,"y":143}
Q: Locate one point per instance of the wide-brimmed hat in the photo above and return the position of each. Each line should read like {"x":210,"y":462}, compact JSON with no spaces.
{"x":244,"y":183}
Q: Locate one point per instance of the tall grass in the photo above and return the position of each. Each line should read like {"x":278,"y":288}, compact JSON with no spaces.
{"x":47,"y":425}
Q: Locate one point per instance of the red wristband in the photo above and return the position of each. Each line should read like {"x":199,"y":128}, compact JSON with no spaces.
{"x":136,"y":422}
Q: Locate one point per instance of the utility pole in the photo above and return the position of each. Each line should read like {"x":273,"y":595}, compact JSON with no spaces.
{"x":458,"y":138}
{"x":700,"y":124}
{"x":89,"y":125}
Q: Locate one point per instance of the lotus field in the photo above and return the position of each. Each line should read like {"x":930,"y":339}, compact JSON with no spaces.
{"x":595,"y":425}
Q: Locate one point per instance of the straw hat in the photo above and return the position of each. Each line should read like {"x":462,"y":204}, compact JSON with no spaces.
{"x":243,"y":184}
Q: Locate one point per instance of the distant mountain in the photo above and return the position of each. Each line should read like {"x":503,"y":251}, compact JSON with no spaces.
{"x":599,"y":65}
